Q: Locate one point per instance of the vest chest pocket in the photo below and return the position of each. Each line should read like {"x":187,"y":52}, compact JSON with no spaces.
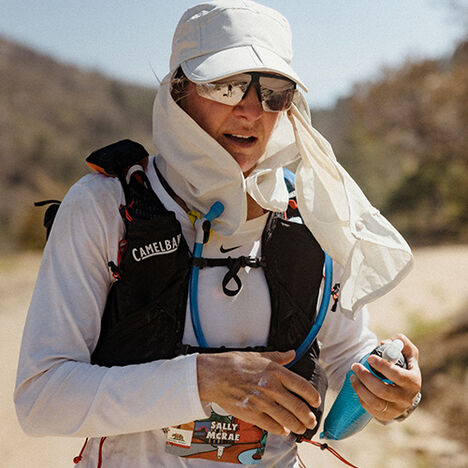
{"x":156,"y":258}
{"x":142,"y":336}
{"x":294,"y":271}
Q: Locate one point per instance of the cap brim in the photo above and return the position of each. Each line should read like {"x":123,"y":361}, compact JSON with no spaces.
{"x":228,"y":62}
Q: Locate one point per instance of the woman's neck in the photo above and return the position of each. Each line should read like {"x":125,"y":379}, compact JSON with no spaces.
{"x":254,"y":210}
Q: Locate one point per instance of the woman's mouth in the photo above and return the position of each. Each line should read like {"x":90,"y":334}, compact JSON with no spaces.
{"x":244,"y":140}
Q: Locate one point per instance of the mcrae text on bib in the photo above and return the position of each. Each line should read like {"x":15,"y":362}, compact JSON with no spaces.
{"x":221,"y":437}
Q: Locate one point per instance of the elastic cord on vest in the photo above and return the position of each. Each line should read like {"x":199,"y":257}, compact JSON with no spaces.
{"x":324,"y":447}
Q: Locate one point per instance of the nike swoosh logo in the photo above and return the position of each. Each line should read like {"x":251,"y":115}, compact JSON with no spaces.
{"x":223,"y":250}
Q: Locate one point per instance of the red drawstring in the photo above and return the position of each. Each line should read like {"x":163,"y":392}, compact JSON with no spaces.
{"x":100,"y":452}
{"x":127,"y":211}
{"x":325,"y":447}
{"x":77,"y":459}
{"x":301,"y":463}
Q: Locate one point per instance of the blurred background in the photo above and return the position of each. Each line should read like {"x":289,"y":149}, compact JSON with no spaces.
{"x":388,"y":87}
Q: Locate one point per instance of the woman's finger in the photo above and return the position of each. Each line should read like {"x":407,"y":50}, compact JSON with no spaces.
{"x":290,"y":404}
{"x":382,"y":390}
{"x":410,"y":351}
{"x":407,"y":379}
{"x":377,"y":407}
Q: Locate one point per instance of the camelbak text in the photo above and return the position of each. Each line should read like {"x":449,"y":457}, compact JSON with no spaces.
{"x":156,"y":248}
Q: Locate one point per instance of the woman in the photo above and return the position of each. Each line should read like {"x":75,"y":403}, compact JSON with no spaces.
{"x":227,"y":118}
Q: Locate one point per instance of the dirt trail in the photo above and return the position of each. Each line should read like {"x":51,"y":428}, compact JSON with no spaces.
{"x":433,"y":291}
{"x":17,"y":278}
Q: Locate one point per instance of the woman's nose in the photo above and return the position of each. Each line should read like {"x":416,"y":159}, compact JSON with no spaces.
{"x":249,"y":107}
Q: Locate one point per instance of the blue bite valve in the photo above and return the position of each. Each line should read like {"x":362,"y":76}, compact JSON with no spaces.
{"x":203,"y":225}
{"x":215,"y":211}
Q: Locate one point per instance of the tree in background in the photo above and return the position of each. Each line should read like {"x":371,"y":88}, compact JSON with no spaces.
{"x":406,"y":144}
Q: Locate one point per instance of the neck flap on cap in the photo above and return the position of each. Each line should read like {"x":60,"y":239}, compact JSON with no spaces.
{"x":374,"y":255}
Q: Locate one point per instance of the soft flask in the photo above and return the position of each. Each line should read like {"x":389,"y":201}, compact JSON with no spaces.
{"x":347,"y":416}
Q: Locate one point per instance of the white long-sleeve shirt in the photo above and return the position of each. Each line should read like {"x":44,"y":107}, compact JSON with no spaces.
{"x":58,"y":391}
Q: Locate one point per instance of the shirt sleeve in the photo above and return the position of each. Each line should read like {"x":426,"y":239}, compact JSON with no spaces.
{"x":58,"y":391}
{"x":343,"y":340}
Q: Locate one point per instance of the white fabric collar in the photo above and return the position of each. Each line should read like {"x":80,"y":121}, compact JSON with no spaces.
{"x":374,"y":255}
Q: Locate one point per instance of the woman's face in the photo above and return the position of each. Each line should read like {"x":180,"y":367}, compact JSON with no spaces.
{"x":242,"y":130}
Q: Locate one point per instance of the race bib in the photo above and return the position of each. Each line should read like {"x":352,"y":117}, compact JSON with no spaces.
{"x":221,"y":437}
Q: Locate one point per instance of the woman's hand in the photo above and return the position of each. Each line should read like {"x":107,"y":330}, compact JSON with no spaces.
{"x":388,"y":401}
{"x":256,"y":388}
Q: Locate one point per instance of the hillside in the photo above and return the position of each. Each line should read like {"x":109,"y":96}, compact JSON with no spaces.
{"x":52,"y":116}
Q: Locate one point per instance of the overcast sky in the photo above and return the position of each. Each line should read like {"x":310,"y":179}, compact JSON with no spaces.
{"x":336,"y":42}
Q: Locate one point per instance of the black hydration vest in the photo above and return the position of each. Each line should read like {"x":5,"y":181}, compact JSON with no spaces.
{"x":145,"y":311}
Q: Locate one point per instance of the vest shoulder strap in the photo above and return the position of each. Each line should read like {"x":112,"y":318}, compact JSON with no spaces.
{"x":126,"y":160}
{"x":116,"y":159}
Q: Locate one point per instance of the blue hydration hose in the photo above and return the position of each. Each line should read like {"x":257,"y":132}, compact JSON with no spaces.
{"x":202,"y":230}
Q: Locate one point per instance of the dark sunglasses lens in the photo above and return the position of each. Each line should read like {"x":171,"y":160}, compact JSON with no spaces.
{"x":277,"y":102}
{"x":277,"y":93}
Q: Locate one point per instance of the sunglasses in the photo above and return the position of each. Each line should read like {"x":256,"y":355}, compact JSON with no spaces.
{"x":275,"y":92}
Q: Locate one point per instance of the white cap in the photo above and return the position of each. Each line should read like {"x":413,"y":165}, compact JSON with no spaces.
{"x":226,"y":37}
{"x":392,"y":351}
